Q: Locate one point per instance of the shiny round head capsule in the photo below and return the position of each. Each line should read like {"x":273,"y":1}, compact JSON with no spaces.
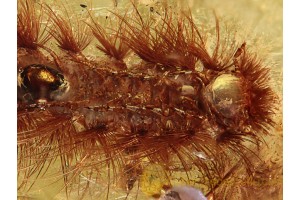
{"x":38,"y":81}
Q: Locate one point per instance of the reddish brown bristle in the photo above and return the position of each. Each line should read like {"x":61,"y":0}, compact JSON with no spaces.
{"x":162,"y":41}
{"x":67,"y":37}
{"x":30,"y":26}
{"x":110,"y":40}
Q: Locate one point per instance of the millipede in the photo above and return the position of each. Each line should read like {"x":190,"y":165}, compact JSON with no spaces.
{"x":169,"y":105}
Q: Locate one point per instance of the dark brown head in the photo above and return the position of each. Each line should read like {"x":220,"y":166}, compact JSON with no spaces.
{"x":38,"y":81}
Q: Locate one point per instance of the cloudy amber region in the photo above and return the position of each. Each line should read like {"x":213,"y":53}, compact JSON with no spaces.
{"x":259,"y":23}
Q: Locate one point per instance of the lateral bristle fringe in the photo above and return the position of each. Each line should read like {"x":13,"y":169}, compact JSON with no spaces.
{"x":109,"y":38}
{"x":31,"y":25}
{"x":71,"y":36}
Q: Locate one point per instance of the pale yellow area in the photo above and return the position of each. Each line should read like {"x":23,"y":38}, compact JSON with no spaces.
{"x":153,"y":179}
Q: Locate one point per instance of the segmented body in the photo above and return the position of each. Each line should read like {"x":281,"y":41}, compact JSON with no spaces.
{"x":116,"y":121}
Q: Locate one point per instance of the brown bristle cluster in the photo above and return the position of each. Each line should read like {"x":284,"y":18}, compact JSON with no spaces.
{"x":110,"y":38}
{"x":165,"y":41}
{"x":70,"y":36}
{"x":30,"y":26}
{"x":145,"y":126}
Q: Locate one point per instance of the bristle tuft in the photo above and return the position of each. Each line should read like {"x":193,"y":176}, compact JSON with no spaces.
{"x":31,"y":32}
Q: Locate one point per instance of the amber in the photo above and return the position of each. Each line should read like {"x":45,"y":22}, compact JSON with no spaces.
{"x":161,"y":98}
